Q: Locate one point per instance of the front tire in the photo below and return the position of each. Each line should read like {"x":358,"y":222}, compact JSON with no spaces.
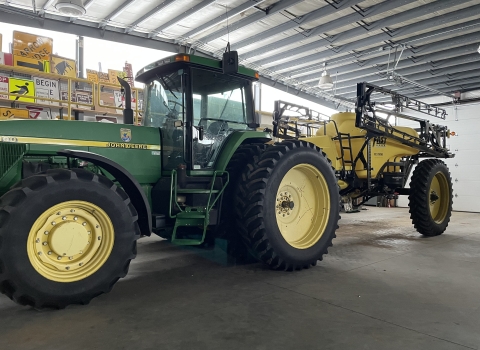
{"x":430,"y":198}
{"x":288,"y":204}
{"x":66,"y":236}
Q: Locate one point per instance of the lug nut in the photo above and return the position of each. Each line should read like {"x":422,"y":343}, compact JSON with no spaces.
{"x":44,"y":243}
{"x":80,"y":264}
{"x":72,"y":211}
{"x":99,"y":238}
{"x":67,"y":268}
{"x":53,"y":223}
{"x":59,"y":258}
{"x":84,"y":223}
{"x":64,"y":218}
{"x":70,"y":257}
{"x":49,"y":253}
{"x":37,"y":240}
{"x":75,"y":218}
{"x":45,"y":233}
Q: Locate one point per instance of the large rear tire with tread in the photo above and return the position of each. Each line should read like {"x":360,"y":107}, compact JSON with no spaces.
{"x":66,"y":236}
{"x":237,"y":247}
{"x":287,"y":205}
{"x":430,"y":198}
{"x":245,"y":154}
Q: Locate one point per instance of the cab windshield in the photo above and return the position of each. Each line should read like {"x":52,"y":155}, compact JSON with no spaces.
{"x":164,"y":108}
{"x":163,"y":100}
{"x":220,"y":105}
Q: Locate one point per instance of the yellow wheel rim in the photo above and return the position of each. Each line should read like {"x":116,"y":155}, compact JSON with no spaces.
{"x":302,"y":206}
{"x":439,"y":197}
{"x":70,"y":241}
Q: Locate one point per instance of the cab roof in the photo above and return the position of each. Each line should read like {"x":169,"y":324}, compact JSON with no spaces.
{"x":150,"y":71}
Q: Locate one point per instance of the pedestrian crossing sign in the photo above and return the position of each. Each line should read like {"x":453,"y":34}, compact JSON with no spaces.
{"x":22,"y":88}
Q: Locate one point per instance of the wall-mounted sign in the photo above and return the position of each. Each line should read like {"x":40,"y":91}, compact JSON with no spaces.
{"x":63,"y":66}
{"x":46,"y":88}
{"x":103,"y":78}
{"x":113,"y":76}
{"x":3,"y":87}
{"x":22,"y":87}
{"x":10,"y":113}
{"x":128,"y":70}
{"x":32,"y":63}
{"x":6,"y":59}
{"x":83,"y":96}
{"x":36,"y":112}
{"x":31,"y":45}
{"x":92,"y":75}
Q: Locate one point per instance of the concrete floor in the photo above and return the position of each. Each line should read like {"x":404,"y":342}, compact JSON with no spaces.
{"x":382,"y":286}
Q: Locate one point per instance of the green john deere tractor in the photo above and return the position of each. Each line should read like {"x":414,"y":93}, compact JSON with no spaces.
{"x":76,"y":195}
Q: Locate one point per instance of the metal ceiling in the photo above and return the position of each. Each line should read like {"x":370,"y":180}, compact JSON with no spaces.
{"x":432,"y":42}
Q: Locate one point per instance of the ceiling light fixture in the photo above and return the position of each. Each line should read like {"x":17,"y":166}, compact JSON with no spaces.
{"x":71,"y":8}
{"x":326,"y":81}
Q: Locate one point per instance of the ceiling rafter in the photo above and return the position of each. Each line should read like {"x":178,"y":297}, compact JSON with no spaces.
{"x":324,"y":28}
{"x":453,"y":86}
{"x":388,"y":37}
{"x":148,"y":15}
{"x":410,"y":56}
{"x":112,"y":15}
{"x":188,"y":13}
{"x":220,"y":19}
{"x":298,"y":21}
{"x":389,"y":21}
{"x":270,"y":11}
{"x":379,"y":73}
{"x":426,"y":80}
{"x":438,"y":73}
{"x":365,"y":72}
{"x":44,"y":7}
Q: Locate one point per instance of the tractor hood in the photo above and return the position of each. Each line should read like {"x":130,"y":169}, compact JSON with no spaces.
{"x":51,"y":135}
{"x":24,"y":143}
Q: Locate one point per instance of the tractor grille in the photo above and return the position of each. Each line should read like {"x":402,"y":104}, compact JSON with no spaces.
{"x":10,"y":154}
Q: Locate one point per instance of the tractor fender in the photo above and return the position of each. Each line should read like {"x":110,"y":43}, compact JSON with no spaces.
{"x":129,"y":184}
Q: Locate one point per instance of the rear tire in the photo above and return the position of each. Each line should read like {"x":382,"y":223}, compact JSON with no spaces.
{"x":430,"y":198}
{"x":287,"y":205}
{"x":85,"y":216}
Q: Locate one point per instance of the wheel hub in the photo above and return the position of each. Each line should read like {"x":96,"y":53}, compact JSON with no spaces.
{"x":285,"y":203}
{"x":433,"y":197}
{"x":70,"y":241}
{"x":302,"y":206}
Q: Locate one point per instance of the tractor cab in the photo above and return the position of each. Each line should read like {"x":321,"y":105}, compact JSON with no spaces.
{"x":196,"y":106}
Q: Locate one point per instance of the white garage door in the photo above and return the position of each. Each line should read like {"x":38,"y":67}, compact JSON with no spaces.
{"x":465,"y":167}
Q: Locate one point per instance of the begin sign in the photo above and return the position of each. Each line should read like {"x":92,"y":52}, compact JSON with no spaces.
{"x":46,"y":88}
